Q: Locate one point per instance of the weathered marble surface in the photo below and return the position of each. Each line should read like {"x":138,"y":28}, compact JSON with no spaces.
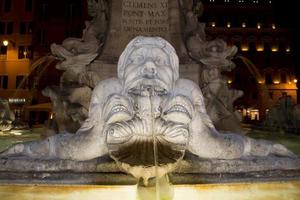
{"x":105,"y":171}
{"x":88,"y":60}
{"x":146,"y":119}
{"x":191,"y":164}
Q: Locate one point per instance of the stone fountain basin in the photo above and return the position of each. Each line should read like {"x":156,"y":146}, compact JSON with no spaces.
{"x":249,"y":178}
{"x":286,"y":190}
{"x":190,"y":170}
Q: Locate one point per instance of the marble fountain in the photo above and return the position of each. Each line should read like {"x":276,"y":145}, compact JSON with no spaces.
{"x":147,"y":133}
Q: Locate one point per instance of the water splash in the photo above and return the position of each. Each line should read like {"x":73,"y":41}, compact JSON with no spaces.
{"x":41,"y":65}
{"x":258,"y":76}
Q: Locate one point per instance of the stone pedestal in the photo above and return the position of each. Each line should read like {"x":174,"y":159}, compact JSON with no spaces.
{"x":130,"y":18}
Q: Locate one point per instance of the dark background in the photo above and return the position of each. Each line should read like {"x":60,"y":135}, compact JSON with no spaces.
{"x":287,"y":13}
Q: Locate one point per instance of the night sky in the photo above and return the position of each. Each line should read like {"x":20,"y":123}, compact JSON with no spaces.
{"x":287,"y":13}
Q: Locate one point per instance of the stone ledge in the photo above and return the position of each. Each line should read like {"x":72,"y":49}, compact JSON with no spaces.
{"x":73,"y":178}
{"x":190,"y":164}
{"x":105,"y":171}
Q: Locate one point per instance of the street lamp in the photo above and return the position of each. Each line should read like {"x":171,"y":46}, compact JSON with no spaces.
{"x":6,"y":43}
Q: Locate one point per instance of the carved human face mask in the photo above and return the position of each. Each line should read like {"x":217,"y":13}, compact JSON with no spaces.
{"x":148,"y":67}
{"x":147,"y":127}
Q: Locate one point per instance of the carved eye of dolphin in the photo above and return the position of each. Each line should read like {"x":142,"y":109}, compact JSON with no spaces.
{"x":179,"y":109}
{"x":118,"y":108}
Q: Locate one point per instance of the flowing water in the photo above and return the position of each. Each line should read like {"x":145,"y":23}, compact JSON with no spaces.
{"x":289,"y":190}
{"x":256,"y":74}
{"x":41,"y":65}
{"x":157,"y":189}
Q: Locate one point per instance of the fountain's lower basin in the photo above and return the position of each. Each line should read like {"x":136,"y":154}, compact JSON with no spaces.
{"x":256,"y":190}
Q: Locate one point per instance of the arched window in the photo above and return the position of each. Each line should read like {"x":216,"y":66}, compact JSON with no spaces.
{"x":269,"y":78}
{"x":283,"y":77}
{"x":252,"y":47}
{"x":267,"y":47}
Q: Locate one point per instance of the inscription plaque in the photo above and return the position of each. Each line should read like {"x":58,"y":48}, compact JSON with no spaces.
{"x":145,"y":17}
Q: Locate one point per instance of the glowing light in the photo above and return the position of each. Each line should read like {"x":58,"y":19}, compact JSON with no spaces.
{"x":258,"y":25}
{"x":16,"y":100}
{"x":15,"y":132}
{"x":259,"y":49}
{"x":276,"y":82}
{"x":213,"y":24}
{"x":244,"y":24}
{"x":229,"y":81}
{"x":260,"y":82}
{"x":228,"y":24}
{"x":274,"y":49}
{"x":273,"y":26}
{"x":5,"y":42}
{"x":245,"y":48}
{"x":295,"y":80}
{"x":288,"y":49}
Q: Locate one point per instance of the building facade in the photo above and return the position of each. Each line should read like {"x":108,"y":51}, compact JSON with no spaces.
{"x":27,"y":29}
{"x":16,"y":28}
{"x":265,"y":69}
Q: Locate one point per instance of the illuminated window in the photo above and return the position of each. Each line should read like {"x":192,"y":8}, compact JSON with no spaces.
{"x":274,"y":49}
{"x":259,"y":48}
{"x":245,"y":48}
{"x":254,"y":114}
{"x":25,"y":52}
{"x":21,"y":52}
